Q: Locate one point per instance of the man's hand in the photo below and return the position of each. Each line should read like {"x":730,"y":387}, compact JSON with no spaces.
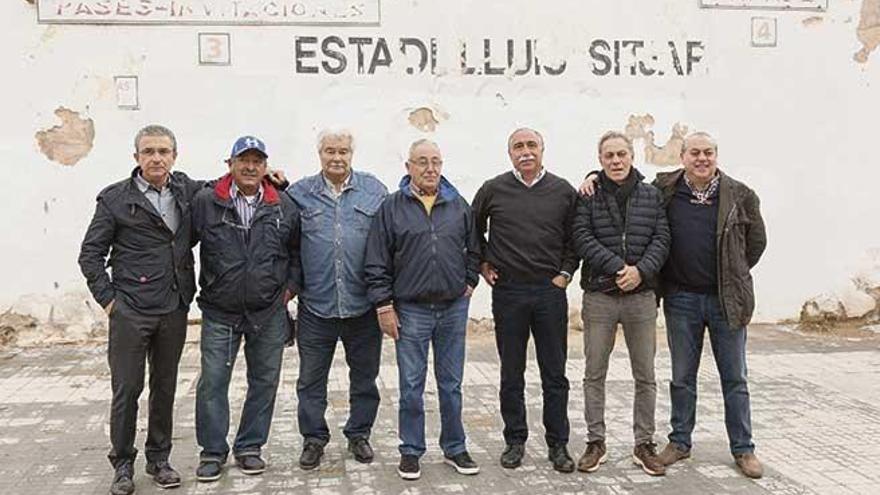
{"x":388,"y":321}
{"x":109,"y":307}
{"x":276,"y":177}
{"x":560,"y":281}
{"x":288,"y":295}
{"x":490,"y":275}
{"x":468,"y":291}
{"x":588,"y":186}
{"x":628,"y":278}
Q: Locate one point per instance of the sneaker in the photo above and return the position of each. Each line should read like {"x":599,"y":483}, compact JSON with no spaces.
{"x":250,"y":464}
{"x":594,"y":455}
{"x":462,"y":463}
{"x":209,"y":470}
{"x":164,"y":476}
{"x":749,"y":464}
{"x":645,"y":455}
{"x":512,"y":456}
{"x":122,"y":480}
{"x":672,"y":453}
{"x":562,"y":462}
{"x":360,"y":448}
{"x":311,"y":456}
{"x":408,"y":468}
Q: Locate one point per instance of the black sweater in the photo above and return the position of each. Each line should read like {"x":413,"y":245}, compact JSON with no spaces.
{"x":530,"y":234}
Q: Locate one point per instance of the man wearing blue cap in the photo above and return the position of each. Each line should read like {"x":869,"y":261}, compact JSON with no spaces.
{"x":250,"y":269}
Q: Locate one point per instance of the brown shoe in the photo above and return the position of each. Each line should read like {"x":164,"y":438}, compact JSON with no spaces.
{"x":749,"y":464}
{"x":672,"y":453}
{"x":645,"y":455}
{"x":593,"y":456}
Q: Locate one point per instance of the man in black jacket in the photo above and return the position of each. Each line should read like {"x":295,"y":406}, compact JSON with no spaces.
{"x":422,"y":266}
{"x":144,"y":222}
{"x":528,"y":261}
{"x":622,"y":235}
{"x":250,"y":268}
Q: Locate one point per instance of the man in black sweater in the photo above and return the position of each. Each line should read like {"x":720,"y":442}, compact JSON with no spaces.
{"x":528,"y":261}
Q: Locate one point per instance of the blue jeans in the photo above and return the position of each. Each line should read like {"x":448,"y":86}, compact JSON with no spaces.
{"x":443,"y":325}
{"x":316,"y":340}
{"x":263,"y":352}
{"x":687,"y":316}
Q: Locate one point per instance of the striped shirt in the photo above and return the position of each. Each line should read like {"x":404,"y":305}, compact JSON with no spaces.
{"x":246,"y":206}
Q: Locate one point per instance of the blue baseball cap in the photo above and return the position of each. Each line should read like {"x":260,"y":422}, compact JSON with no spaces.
{"x":246,"y":143}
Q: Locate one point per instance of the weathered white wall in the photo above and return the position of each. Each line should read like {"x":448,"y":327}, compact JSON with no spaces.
{"x":797,"y":122}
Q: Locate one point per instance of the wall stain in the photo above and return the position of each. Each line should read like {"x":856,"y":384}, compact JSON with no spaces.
{"x":69,"y":142}
{"x":424,"y":119}
{"x":639,"y":127}
{"x":868,"y":31}
{"x":813,"y":21}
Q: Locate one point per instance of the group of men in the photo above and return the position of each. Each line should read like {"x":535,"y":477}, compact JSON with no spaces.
{"x":362,"y":263}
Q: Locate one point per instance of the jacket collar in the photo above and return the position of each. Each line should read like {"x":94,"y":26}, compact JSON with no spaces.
{"x":446,"y":191}
{"x":221,"y":190}
{"x":317,"y":183}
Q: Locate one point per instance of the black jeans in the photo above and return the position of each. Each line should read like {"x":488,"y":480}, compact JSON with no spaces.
{"x":134,"y":338}
{"x":543,"y":310}
{"x":316,"y":340}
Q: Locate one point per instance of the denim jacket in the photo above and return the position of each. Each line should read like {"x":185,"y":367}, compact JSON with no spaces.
{"x":333,"y":243}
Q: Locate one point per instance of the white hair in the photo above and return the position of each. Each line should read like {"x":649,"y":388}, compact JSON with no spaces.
{"x":334,"y":133}
{"x":418,"y":142}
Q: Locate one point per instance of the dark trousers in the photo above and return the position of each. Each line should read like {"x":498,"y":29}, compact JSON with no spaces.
{"x":316,"y":341}
{"x":541,"y":309}
{"x":135,"y":338}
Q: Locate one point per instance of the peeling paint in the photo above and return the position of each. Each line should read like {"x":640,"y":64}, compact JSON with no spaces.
{"x":868,"y":31}
{"x":813,"y":21}
{"x":639,"y":127}
{"x":424,"y":119}
{"x":70,"y":142}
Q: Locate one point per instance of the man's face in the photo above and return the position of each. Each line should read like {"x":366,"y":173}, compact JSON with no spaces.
{"x":336,"y":157}
{"x":247,"y":170}
{"x":155,"y":156}
{"x":424,"y":166}
{"x":616,"y":159}
{"x":526,"y":151}
{"x":699,"y":158}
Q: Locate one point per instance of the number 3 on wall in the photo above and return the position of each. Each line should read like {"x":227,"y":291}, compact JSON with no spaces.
{"x":214,"y":49}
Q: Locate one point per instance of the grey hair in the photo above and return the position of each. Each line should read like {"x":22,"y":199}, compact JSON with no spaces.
{"x":616,"y":135}
{"x":155,"y":130}
{"x":540,"y":137}
{"x":698,"y":134}
{"x":418,"y":142}
{"x":337,"y":133}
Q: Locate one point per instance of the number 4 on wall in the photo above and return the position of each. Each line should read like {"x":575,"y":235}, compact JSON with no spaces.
{"x":763,"y":31}
{"x":214,"y":49}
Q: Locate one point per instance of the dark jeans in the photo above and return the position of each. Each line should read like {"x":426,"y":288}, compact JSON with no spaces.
{"x":442,"y":325}
{"x":687,"y":316}
{"x":541,"y":309}
{"x":134,"y":338}
{"x":263,"y":352}
{"x":316,"y":340}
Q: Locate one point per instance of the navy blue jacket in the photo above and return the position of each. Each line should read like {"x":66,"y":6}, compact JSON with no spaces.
{"x":416,"y":257}
{"x":244,"y":282}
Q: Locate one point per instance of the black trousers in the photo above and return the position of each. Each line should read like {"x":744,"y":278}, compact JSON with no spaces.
{"x":135,"y":338}
{"x":541,"y":309}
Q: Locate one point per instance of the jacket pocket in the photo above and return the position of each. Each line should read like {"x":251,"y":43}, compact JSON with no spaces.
{"x":363,"y":216}
{"x":311,"y":219}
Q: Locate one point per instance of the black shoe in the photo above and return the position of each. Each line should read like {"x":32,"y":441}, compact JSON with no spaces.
{"x":408,"y":468}
{"x":311,"y":455}
{"x":209,"y":470}
{"x":562,"y":462}
{"x":361,"y":449}
{"x":163,"y":474}
{"x":462,"y":463}
{"x":122,"y":482}
{"x":250,"y":464}
{"x":512,"y":456}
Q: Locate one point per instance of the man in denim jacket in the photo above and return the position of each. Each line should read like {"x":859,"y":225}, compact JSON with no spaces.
{"x":337,"y":206}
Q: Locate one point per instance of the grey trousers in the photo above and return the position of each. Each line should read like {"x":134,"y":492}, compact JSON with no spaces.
{"x":638,"y":315}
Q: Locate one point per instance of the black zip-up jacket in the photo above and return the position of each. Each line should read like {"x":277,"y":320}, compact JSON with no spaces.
{"x":606,"y":240}
{"x":416,"y":257}
{"x":243,"y":281}
{"x":152,"y":267}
